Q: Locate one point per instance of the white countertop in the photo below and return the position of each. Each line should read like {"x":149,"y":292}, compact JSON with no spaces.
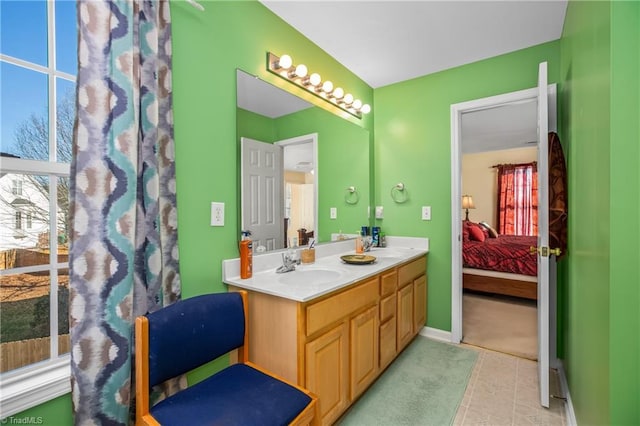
{"x":328,"y":273}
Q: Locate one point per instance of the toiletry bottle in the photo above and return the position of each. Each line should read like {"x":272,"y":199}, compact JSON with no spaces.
{"x":375,"y":232}
{"x":359,"y":247}
{"x":246,"y":256}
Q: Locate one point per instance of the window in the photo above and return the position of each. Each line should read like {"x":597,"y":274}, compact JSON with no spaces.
{"x":518,"y":199}
{"x":18,"y":220}
{"x":17,"y":187}
{"x":38,"y":66}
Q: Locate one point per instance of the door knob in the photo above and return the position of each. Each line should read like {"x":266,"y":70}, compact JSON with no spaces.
{"x":545,"y":251}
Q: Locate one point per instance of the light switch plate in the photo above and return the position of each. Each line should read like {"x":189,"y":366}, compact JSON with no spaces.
{"x":217,"y":214}
{"x":426,"y":212}
{"x":379,"y":212}
{"x":333,"y":213}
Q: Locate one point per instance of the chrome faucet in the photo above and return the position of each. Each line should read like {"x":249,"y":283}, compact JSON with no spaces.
{"x":289,"y":262}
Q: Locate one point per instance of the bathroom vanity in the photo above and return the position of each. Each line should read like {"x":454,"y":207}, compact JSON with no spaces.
{"x":333,"y":327}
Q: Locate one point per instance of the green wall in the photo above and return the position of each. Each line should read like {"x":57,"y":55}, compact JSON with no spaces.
{"x":624,"y":301}
{"x":412,"y":145}
{"x":585,"y":97}
{"x":600,"y":52}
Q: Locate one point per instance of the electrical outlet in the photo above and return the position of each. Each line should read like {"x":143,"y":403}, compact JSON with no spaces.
{"x":426,"y":212}
{"x":333,"y":213}
{"x":379,"y":212}
{"x":217,"y":214}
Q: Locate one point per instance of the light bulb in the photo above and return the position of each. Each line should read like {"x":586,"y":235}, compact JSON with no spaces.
{"x":285,"y":61}
{"x":327,"y":86}
{"x":338,"y":93}
{"x":315,"y":79}
{"x":348,"y":99}
{"x":357,"y":104}
{"x":366,"y":109}
{"x":301,"y":70}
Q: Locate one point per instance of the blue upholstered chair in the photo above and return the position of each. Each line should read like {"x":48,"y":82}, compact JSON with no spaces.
{"x":192,"y":332}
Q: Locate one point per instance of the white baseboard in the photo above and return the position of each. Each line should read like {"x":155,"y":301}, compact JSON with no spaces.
{"x":436,"y":334}
{"x":570,"y":415}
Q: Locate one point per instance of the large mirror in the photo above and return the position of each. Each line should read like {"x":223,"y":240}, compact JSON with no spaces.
{"x":304,"y":172}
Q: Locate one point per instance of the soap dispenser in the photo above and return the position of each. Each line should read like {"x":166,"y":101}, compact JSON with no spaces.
{"x":359,"y":247}
{"x":246,"y":256}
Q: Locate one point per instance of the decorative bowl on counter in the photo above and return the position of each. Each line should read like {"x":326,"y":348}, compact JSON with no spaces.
{"x":358,"y":259}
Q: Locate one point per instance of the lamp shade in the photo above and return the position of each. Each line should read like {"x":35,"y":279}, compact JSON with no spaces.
{"x":467,"y":202}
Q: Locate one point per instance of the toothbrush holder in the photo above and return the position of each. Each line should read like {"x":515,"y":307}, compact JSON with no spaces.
{"x":308,"y":255}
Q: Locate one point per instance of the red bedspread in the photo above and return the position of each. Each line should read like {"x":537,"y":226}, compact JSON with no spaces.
{"x":507,"y":253}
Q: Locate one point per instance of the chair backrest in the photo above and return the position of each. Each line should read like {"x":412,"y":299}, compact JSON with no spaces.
{"x":192,"y":332}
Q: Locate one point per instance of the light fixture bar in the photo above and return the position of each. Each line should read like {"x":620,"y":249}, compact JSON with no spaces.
{"x":299,"y":75}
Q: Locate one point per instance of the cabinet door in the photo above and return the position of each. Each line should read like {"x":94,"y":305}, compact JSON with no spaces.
{"x":364,"y":350}
{"x":405,"y":316}
{"x":419,"y":303}
{"x":387,"y":342}
{"x":327,"y":372}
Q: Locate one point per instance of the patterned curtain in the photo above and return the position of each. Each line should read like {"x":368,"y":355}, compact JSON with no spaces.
{"x":124,"y":250}
{"x":518,"y":199}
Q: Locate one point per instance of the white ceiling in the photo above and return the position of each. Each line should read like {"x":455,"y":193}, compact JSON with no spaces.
{"x":384,"y":42}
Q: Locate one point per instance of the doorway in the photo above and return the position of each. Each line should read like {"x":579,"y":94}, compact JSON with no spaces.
{"x":458,"y":111}
{"x":300,"y":168}
{"x":474,"y":139}
{"x":499,"y":314}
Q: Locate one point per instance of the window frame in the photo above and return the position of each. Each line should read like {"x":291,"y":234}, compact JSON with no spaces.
{"x":34,"y":384}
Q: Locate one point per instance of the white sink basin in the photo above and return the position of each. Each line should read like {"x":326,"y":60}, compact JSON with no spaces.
{"x":310,"y":276}
{"x":385,"y":253}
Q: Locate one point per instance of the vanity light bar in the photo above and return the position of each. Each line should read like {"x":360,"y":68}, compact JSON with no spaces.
{"x":299,"y":75}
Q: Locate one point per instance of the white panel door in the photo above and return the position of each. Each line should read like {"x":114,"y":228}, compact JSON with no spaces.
{"x":543,"y":236}
{"x":262,"y":187}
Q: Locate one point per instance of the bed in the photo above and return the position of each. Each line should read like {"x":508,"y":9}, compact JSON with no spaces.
{"x":500,"y":264}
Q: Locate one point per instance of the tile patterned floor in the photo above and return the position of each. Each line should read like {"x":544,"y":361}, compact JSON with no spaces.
{"x":503,"y":390}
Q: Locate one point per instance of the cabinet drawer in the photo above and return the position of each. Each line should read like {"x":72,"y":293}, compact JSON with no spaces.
{"x":387,"y":307}
{"x":408,"y":272}
{"x":388,"y":282}
{"x":334,"y":308}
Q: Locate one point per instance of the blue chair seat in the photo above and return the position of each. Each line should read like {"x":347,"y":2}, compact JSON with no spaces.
{"x":237,"y":395}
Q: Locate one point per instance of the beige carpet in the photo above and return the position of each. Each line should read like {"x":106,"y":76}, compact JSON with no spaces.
{"x":502,"y":324}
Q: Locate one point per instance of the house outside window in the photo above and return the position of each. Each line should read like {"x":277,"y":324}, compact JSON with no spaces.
{"x":38,"y":64}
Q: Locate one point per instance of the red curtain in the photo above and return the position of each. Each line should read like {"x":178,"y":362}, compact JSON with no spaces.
{"x":518,"y":199}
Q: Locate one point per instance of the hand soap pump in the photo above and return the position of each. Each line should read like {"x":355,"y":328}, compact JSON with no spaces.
{"x":359,"y":247}
{"x":246,"y":255}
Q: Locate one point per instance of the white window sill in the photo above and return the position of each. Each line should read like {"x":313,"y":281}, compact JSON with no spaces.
{"x":32,"y":386}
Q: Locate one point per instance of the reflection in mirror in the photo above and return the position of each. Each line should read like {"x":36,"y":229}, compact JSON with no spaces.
{"x":283,"y":184}
{"x":278,"y":177}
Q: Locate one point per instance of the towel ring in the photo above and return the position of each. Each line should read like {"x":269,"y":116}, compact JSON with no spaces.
{"x":352,"y":196}
{"x":399,"y":194}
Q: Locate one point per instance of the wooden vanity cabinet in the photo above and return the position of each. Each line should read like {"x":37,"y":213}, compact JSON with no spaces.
{"x":338,"y":344}
{"x":412,"y":301}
